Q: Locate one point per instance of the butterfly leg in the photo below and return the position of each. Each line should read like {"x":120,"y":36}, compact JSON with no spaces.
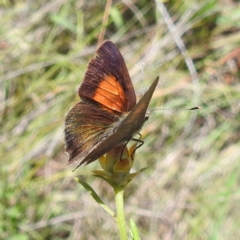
{"x":141,"y":142}
{"x":123,"y":148}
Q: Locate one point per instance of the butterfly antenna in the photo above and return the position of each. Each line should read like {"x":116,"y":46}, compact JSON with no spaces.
{"x":176,"y":109}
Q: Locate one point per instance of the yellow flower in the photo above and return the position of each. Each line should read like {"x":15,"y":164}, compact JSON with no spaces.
{"x":117,"y":164}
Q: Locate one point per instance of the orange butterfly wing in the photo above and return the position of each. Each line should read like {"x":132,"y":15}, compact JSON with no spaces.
{"x":107,"y":81}
{"x":107,"y":94}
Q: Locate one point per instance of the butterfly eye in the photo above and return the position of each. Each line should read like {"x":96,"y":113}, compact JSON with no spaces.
{"x":146,"y":118}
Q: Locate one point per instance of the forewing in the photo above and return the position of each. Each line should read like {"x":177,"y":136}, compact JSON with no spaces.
{"x":126,"y":128}
{"x":107,"y":81}
{"x":85,"y":127}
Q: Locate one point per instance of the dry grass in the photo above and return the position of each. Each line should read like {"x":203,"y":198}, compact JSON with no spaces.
{"x":191,"y":188}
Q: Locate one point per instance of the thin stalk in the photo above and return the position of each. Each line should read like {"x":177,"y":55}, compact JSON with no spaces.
{"x":121,"y":222}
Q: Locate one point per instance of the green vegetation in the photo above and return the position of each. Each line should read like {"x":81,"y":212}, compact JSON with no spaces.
{"x":191,"y":188}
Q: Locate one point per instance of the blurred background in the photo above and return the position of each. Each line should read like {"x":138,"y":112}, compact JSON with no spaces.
{"x":191,"y":189}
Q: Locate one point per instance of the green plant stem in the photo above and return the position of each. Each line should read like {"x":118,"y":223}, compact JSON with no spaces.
{"x":121,"y":222}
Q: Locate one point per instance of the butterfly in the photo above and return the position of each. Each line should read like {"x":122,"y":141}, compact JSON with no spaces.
{"x":107,"y":114}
